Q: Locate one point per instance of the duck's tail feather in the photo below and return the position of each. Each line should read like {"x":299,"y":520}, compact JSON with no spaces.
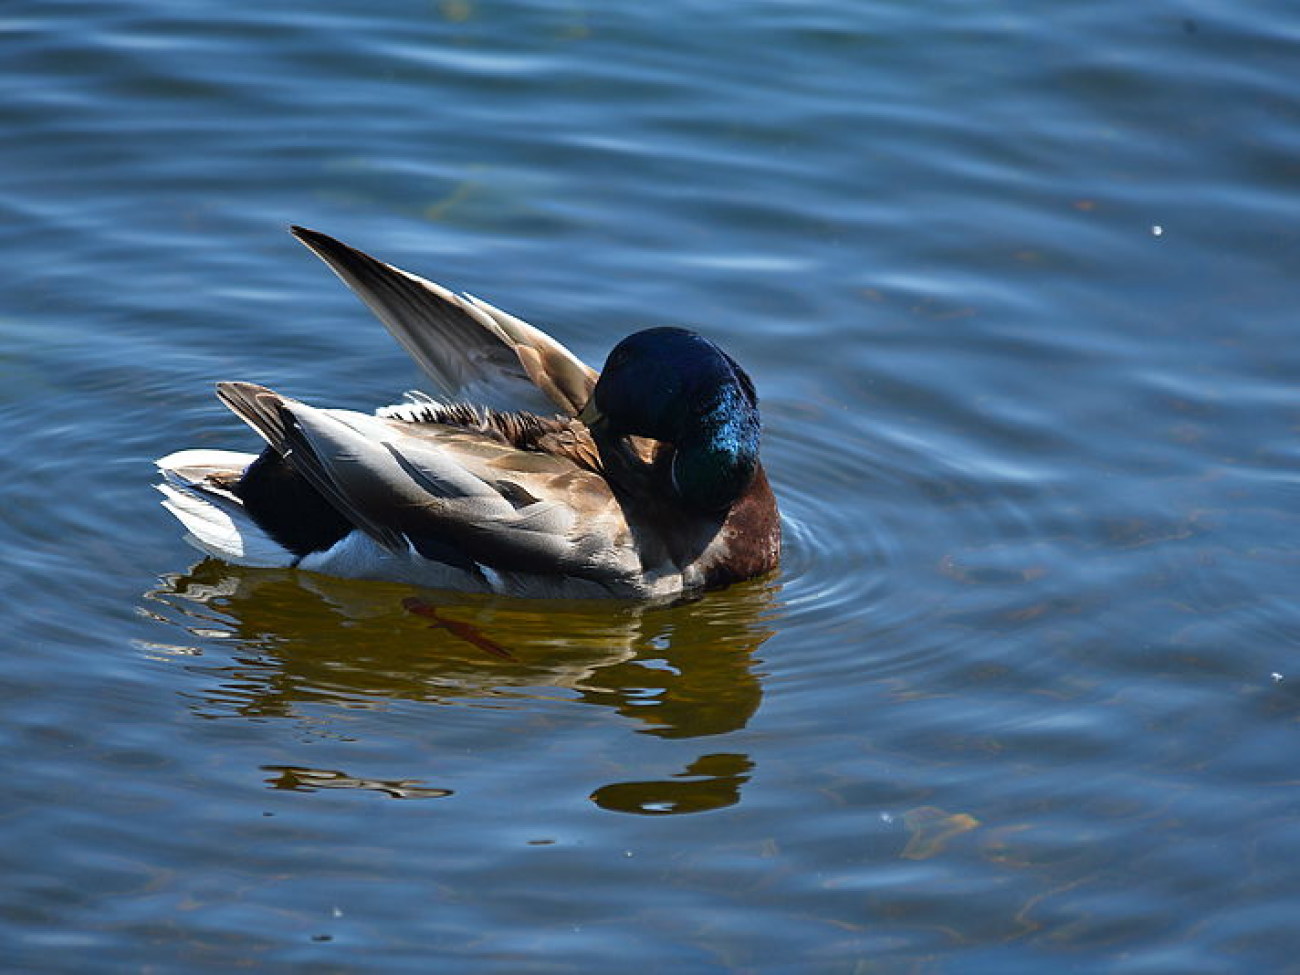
{"x":214,"y":518}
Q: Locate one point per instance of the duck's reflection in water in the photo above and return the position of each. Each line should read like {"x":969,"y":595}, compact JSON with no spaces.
{"x":269,"y":644}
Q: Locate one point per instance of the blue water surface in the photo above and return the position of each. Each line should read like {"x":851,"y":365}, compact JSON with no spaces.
{"x":1017,"y":286}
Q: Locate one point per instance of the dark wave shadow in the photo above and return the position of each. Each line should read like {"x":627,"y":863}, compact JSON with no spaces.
{"x":270,"y":644}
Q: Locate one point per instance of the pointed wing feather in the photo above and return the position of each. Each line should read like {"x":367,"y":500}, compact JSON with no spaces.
{"x":563,"y":377}
{"x":270,"y":415}
{"x":469,"y":348}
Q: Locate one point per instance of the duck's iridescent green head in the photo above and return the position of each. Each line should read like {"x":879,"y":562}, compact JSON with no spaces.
{"x":676,"y":386}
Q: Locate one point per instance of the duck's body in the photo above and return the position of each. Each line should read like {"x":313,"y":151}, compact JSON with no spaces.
{"x":644,"y":483}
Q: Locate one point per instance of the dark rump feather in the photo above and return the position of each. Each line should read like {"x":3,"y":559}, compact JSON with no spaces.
{"x":288,"y":508}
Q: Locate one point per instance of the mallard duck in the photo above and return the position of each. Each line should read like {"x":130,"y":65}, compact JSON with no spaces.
{"x":536,"y":476}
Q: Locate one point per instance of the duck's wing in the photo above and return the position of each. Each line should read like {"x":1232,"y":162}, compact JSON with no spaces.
{"x":448,"y":494}
{"x":472,"y":350}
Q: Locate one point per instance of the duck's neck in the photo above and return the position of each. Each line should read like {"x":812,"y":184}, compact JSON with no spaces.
{"x":717,"y":451}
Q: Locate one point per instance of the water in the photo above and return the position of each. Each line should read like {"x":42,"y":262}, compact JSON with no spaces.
{"x":1017,"y":288}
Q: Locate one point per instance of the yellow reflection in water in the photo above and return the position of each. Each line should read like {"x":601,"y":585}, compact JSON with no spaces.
{"x":295,"y":778}
{"x":710,"y":782}
{"x":281,"y":640}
